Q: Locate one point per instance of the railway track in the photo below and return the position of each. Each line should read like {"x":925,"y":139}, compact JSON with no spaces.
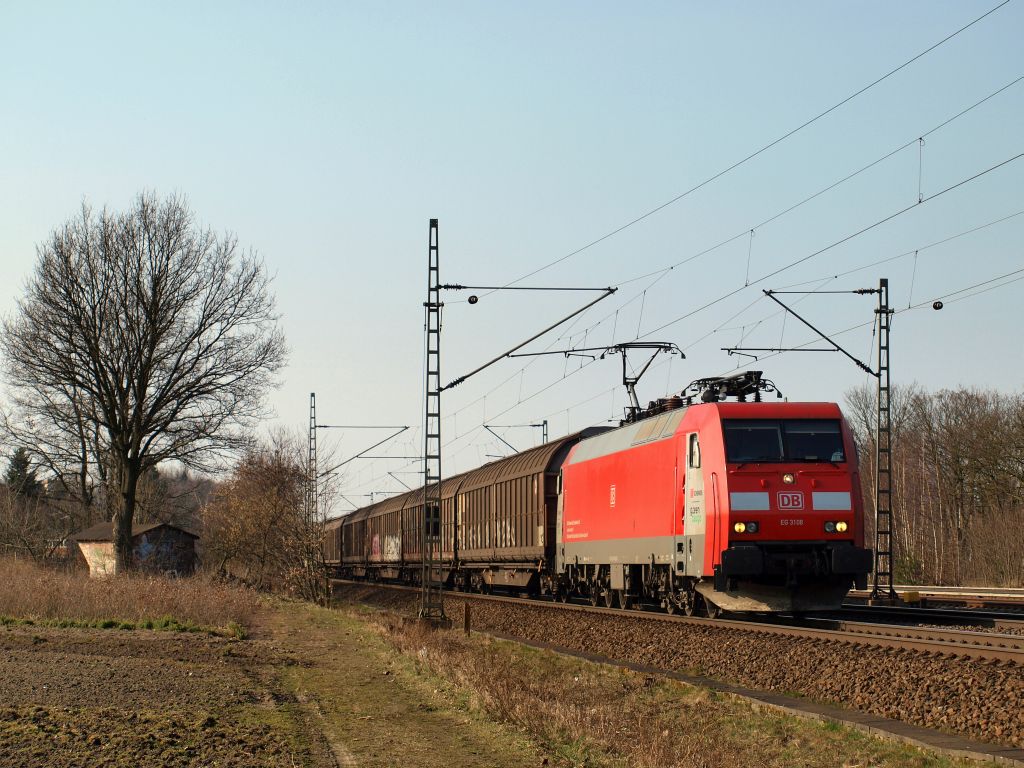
{"x":989,"y":646}
{"x":992,"y":598}
{"x":997,"y":620}
{"x":979,"y":645}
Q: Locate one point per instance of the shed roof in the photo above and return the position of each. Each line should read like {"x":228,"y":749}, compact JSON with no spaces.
{"x":105,"y":531}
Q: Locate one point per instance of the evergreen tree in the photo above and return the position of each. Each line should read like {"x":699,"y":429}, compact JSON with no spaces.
{"x":21,"y":478}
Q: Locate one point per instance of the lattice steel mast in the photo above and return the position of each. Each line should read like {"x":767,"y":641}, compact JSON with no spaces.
{"x":312,"y":499}
{"x":431,"y":603}
{"x":882,"y":586}
{"x":882,"y":582}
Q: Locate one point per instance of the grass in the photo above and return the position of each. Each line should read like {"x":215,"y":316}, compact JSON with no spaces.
{"x":599,"y":716}
{"x":31,"y":595}
{"x":376,"y":705}
{"x":164,"y":623}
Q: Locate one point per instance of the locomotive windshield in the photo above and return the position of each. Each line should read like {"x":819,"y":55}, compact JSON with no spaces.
{"x":749,"y":440}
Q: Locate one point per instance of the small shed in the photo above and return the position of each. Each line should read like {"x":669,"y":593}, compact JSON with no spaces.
{"x":156,"y":548}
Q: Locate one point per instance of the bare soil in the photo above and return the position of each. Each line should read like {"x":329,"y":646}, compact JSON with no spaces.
{"x":89,"y":697}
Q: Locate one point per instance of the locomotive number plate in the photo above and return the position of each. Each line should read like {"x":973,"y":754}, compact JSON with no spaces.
{"x":791,"y":522}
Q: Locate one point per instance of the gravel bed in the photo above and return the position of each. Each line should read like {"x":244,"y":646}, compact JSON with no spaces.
{"x":1015,"y":631}
{"x":978,"y":699}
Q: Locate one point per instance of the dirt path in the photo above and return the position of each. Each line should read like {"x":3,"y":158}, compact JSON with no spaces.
{"x":376,"y":710}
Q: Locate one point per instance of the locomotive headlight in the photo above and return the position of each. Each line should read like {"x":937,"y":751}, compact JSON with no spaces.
{"x":740,"y":527}
{"x":751,"y":527}
{"x":830,"y":527}
{"x":789,"y":478}
{"x":841,"y":527}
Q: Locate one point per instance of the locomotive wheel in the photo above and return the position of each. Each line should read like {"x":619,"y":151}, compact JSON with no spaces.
{"x":712,"y":610}
{"x":609,"y":597}
{"x":595,"y":595}
{"x":670,"y":605}
{"x":689,"y":607}
{"x":625,"y":599}
{"x":563,"y":595}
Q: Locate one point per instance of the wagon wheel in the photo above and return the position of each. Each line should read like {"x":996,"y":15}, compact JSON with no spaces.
{"x":670,"y":605}
{"x":625,"y":599}
{"x":563,"y":594}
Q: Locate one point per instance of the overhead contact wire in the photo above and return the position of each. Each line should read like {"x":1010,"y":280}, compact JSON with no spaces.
{"x":760,"y":151}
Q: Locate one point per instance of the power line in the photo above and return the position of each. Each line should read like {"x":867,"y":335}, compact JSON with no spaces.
{"x":923,"y":304}
{"x":586,"y":365}
{"x":839,"y":242}
{"x":745,"y":233}
{"x":903,"y":255}
{"x":661,"y":273}
{"x":478,"y":428}
{"x":987,"y":285}
{"x":827,"y":278}
{"x":763,"y":149}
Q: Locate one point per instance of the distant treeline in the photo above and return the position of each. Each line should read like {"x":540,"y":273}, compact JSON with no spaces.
{"x":958,"y":483}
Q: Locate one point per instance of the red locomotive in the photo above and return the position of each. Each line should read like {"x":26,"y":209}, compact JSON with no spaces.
{"x":699,"y":504}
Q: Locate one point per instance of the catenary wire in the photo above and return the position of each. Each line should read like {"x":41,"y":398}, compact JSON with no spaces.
{"x":757,"y":152}
{"x":660,"y":273}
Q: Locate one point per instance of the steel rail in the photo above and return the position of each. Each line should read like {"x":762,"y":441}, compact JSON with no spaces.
{"x":993,"y":619}
{"x":1009,"y":601}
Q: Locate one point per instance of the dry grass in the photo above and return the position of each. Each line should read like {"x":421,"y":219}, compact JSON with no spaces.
{"x":34,"y":594}
{"x":591,"y":715}
{"x":586,"y":714}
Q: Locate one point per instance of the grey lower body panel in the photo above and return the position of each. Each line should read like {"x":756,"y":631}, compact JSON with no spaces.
{"x":509,"y":577}
{"x":639,"y":551}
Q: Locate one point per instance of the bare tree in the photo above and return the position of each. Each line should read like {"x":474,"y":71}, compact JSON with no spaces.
{"x":958,"y":482}
{"x":140,"y":338}
{"x":256,"y":526}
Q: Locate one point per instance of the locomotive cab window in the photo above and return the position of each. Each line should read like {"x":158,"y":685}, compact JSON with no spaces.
{"x":768,"y":440}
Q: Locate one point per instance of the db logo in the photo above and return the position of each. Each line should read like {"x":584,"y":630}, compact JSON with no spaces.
{"x":791,"y":500}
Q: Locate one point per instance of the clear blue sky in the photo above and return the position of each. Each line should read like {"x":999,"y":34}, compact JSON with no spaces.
{"x":326,"y":135}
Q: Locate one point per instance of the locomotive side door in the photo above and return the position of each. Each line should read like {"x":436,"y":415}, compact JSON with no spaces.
{"x":694,"y":518}
{"x":558,"y":538}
